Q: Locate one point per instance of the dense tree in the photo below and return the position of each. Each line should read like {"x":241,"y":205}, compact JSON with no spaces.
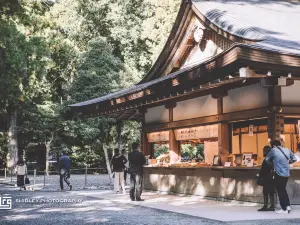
{"x":54,"y":53}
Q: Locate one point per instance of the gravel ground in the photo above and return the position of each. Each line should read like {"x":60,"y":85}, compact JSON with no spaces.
{"x":87,"y":209}
{"x":101,"y":182}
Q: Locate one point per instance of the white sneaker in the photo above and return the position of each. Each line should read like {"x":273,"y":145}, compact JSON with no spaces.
{"x":289,"y":209}
{"x":282,"y":212}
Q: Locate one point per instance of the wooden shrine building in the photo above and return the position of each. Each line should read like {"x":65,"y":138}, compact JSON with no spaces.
{"x":229,"y":78}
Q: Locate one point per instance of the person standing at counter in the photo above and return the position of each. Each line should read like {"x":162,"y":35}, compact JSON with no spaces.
{"x":136,"y":162}
{"x":281,"y":157}
{"x":297,"y":154}
{"x":266,"y":180}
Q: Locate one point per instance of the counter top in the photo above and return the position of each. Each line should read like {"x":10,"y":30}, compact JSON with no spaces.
{"x":213,"y":167}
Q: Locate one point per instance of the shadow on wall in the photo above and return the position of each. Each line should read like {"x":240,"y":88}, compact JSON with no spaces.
{"x":216,"y":184}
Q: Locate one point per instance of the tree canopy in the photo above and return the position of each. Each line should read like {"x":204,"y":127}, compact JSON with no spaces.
{"x":54,"y":53}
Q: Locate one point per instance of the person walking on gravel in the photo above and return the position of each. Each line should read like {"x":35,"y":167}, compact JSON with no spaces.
{"x":64,"y":170}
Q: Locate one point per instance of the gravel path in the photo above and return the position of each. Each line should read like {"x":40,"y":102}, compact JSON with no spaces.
{"x":79,"y":182}
{"x":88,"y":209}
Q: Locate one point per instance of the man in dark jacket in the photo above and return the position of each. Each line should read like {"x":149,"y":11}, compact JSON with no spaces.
{"x":136,"y":162}
{"x":64,"y":170}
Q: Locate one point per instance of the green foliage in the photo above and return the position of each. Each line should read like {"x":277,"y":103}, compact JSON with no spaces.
{"x":52,"y":55}
{"x":160,"y":149}
{"x":98,"y":72}
{"x":191,"y":151}
{"x":3,"y":147}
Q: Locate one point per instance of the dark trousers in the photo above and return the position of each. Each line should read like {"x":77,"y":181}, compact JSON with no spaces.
{"x":64,"y":176}
{"x":136,"y":183}
{"x":280,"y":185}
{"x":269,"y":192}
{"x":20,"y":180}
{"x":125,"y":175}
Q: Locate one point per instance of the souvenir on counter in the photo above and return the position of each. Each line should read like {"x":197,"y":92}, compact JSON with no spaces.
{"x":250,"y":163}
{"x":164,"y":158}
{"x":230,"y":159}
{"x":227,"y":164}
{"x":246,"y":159}
{"x":238,"y":159}
{"x":152,"y":161}
{"x":216,"y":160}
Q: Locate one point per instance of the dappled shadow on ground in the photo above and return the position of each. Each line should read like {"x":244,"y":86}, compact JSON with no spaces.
{"x":92,"y":210}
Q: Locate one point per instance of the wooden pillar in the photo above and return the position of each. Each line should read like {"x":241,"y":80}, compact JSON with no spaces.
{"x":223,"y":135}
{"x":144,"y":139}
{"x":275,"y":126}
{"x":275,"y":119}
{"x":173,"y":143}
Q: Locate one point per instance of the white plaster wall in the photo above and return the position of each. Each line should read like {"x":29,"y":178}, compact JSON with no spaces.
{"x":157,"y":115}
{"x":291,"y":95}
{"x":197,"y":107}
{"x":197,"y":55}
{"x":249,"y":97}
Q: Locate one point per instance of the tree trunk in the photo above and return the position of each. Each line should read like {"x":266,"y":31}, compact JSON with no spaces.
{"x":105,"y":147}
{"x":48,"y":145}
{"x":47,"y":157}
{"x":12,"y":156}
{"x":119,"y":131}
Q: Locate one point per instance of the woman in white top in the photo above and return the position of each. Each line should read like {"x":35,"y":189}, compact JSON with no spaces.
{"x":21,"y":172}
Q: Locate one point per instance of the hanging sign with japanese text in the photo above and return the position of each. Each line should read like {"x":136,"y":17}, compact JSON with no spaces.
{"x":201,"y":132}
{"x":158,"y":136}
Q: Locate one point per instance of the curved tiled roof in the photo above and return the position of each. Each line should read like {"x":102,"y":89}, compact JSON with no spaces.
{"x":133,"y":89}
{"x":274,"y":24}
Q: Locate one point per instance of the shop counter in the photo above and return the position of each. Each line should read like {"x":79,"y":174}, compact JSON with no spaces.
{"x":236,"y":183}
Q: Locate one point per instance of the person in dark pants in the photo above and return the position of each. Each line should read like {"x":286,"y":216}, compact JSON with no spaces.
{"x":281,"y":157}
{"x":125,"y":154}
{"x":64,"y":170}
{"x":136,"y":162}
{"x":266,"y":174}
{"x":21,"y":172}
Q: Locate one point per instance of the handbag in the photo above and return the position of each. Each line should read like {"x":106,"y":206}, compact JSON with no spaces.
{"x":112,"y":175}
{"x":27,"y":181}
{"x":261,"y":181}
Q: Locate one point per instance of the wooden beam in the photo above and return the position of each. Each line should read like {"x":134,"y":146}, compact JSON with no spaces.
{"x":276,"y":81}
{"x":122,"y":114}
{"x":134,"y":114}
{"x":227,"y":117}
